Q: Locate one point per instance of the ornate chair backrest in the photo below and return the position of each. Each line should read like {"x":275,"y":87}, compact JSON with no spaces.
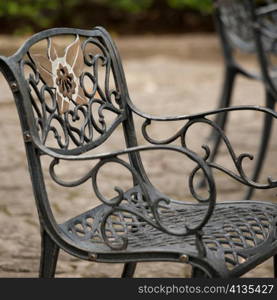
{"x":264,"y":26}
{"x":64,"y":93}
{"x":233,"y":19}
{"x":62,"y":99}
{"x":234,"y":23}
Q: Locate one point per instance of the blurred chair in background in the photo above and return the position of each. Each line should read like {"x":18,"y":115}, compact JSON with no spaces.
{"x":236,"y":32}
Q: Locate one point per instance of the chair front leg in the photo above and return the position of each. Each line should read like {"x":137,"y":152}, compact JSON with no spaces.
{"x":49,"y":256}
{"x":197,"y":273}
{"x":129,"y":270}
{"x":275,"y":266}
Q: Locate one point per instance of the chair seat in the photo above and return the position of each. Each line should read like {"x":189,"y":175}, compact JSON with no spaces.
{"x":233,"y":236}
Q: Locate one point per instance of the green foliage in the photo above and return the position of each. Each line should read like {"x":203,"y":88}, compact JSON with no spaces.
{"x":32,"y":9}
{"x":41,"y":13}
{"x":141,"y":5}
{"x":133,"y":6}
{"x":46,"y":13}
{"x":202,"y":5}
{"x":27,"y":9}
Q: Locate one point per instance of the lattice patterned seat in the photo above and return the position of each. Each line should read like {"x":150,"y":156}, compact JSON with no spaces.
{"x":68,"y":108}
{"x":233,"y":237}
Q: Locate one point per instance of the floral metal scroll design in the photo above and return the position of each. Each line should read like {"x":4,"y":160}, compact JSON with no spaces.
{"x":75,"y":113}
{"x":62,"y":73}
{"x":146,"y":210}
{"x":240,"y":176}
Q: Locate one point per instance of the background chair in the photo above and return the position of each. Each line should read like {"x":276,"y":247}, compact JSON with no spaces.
{"x":234,"y":26}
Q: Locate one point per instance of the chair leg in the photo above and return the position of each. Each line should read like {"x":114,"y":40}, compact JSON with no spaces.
{"x":275,"y":265}
{"x":197,"y":273}
{"x":129,"y":270}
{"x":221,"y":119}
{"x":266,"y":132}
{"x":49,"y":256}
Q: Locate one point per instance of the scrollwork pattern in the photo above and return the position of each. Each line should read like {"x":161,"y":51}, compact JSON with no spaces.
{"x":151,"y":206}
{"x":237,"y":160}
{"x":150,"y":214}
{"x":67,"y":96}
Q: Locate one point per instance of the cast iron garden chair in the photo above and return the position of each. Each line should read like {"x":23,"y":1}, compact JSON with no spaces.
{"x":234,"y":26}
{"x":61,"y":103}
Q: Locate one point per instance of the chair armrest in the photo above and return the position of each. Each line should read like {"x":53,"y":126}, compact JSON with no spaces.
{"x":184,"y":117}
{"x":189,"y":120}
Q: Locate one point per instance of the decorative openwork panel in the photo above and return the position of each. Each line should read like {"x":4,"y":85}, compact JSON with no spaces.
{"x":236,"y":17}
{"x":73,"y":90}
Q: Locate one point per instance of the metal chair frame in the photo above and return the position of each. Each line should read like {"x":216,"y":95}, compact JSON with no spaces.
{"x":140,"y":224}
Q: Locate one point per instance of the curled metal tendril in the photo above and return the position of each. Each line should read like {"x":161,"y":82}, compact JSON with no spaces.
{"x":118,"y":242}
{"x":237,"y":160}
{"x":147,"y":137}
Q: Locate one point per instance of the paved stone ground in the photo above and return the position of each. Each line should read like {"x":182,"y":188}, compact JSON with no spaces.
{"x":166,"y":75}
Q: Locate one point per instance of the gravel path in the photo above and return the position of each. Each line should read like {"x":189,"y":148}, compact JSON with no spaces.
{"x":166,"y":75}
